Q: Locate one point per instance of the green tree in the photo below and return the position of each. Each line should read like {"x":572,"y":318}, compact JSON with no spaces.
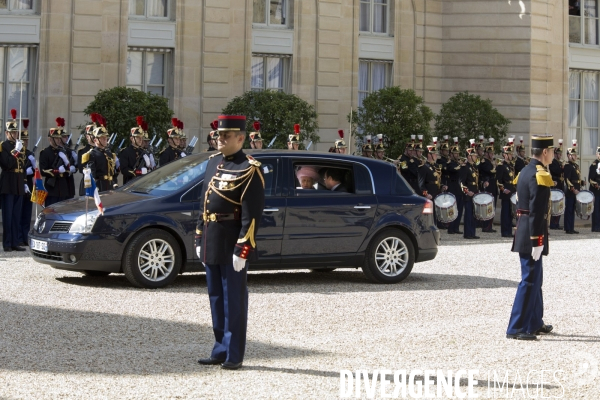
{"x":467,"y":116}
{"x":120,"y":106}
{"x":395,"y":113}
{"x":277,"y":113}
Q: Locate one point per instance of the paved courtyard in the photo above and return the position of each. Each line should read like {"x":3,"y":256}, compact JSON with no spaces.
{"x":63,"y":335}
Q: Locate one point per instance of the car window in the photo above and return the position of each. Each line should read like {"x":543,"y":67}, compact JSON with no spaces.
{"x":362,"y":179}
{"x":311,"y":178}
{"x":269,"y":168}
{"x":400,"y":187}
{"x":193,"y":194}
{"x":170,"y":177}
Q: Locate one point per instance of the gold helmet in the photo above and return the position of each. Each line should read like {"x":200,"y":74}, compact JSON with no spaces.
{"x":60,"y":128}
{"x":12,"y":126}
{"x":100,"y":130}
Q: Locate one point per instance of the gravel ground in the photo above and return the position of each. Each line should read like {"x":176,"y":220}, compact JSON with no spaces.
{"x":63,"y":335}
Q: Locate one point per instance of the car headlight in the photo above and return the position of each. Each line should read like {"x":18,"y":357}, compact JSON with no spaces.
{"x":84,"y":223}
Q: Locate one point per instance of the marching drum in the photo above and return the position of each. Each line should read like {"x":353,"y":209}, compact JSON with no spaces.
{"x":557,"y":200}
{"x":584,"y":206}
{"x":483,"y":206}
{"x":513,"y":204}
{"x":445,"y":207}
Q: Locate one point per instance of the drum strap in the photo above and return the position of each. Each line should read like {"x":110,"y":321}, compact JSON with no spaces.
{"x":525,"y":212}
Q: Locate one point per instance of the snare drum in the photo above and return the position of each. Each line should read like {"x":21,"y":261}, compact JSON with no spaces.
{"x":584,"y":205}
{"x":557,"y":200}
{"x":513,"y":204}
{"x":445,"y":207}
{"x":483,"y":206}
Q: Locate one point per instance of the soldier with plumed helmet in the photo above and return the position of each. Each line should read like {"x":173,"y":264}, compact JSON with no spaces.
{"x":379,"y":148}
{"x":256,"y":141}
{"x":487,"y":179}
{"x":172,"y":152}
{"x":213,"y":135}
{"x":55,"y":166}
{"x":573,"y":182}
{"x":293,"y":142}
{"x":89,"y":138}
{"x":505,"y":174}
{"x":521,"y":161}
{"x":30,"y":166}
{"x":469,"y":183}
{"x":100,"y":160}
{"x":409,"y":166}
{"x":452,"y":179}
{"x":367,"y":147}
{"x":72,"y":156}
{"x":556,"y":170}
{"x":12,"y":184}
{"x":133,"y":159}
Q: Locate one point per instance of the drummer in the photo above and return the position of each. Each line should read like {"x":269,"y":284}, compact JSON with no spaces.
{"x":469,"y":183}
{"x":572,"y":185}
{"x":556,"y":170}
{"x":505,"y":174}
{"x":409,"y":166}
{"x":430,"y":177}
{"x":487,"y":179}
{"x":594,"y":178}
{"x":452,"y":179}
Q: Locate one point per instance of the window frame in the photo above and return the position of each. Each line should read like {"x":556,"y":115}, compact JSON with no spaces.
{"x":580,"y":127}
{"x":582,"y":19}
{"x":20,"y":11}
{"x":167,"y":68}
{"x":267,"y":24}
{"x":287,"y":66}
{"x":347,"y":166}
{"x":5,"y":83}
{"x":146,"y":17}
{"x":372,"y":18}
{"x":388,"y":78}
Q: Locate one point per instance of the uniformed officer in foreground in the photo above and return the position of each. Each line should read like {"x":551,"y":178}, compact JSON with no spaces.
{"x":232,"y":202}
{"x":556,"y":170}
{"x":12,"y":184}
{"x":101,"y":161}
{"x":505,"y":174}
{"x":594,"y":179}
{"x":55,"y":166}
{"x":531,"y":241}
{"x":572,"y":187}
{"x":469,"y":183}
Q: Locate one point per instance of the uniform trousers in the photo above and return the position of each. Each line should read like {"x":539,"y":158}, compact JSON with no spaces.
{"x":25,"y":222}
{"x":11,"y":219}
{"x":489,"y":224}
{"x":555,"y":222}
{"x":569,"y":214}
{"x":596,"y":213}
{"x":528,"y":308}
{"x":454,"y":226}
{"x":506,"y":217}
{"x":469,"y":218}
{"x":228,"y":295}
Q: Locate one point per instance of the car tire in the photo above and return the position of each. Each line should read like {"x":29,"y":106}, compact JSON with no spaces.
{"x":390,"y":257}
{"x":152,"y":259}
{"x":322,"y":269}
{"x":88,"y":272}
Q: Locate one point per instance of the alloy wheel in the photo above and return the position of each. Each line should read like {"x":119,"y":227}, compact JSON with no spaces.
{"x":391,"y":256}
{"x":156,"y":260}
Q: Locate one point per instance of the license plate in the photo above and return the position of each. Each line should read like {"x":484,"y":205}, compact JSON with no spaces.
{"x":39,"y":245}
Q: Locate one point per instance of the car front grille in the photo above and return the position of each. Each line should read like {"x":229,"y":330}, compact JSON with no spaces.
{"x":51,"y":255}
{"x":61,"y":227}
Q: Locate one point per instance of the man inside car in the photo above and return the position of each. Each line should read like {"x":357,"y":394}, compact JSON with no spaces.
{"x":333,"y":180}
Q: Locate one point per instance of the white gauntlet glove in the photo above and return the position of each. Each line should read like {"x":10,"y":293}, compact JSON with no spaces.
{"x":29,"y":171}
{"x":536,"y":252}
{"x":64,"y":157}
{"x":61,"y":169}
{"x":147,"y":161}
{"x":238,"y":263}
{"x":27,"y":189}
{"x":72,"y":169}
{"x":152,"y":162}
{"x":74,"y":155}
{"x":32,"y":160}
{"x":198,"y":251}
{"x":182,"y":154}
{"x":144,"y":171}
{"x":18,"y":145}
{"x":118,"y":163}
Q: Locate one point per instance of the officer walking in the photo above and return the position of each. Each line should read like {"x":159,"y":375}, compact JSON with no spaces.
{"x":556,"y":171}
{"x":55,"y":166}
{"x":594,"y":178}
{"x":531,"y":241}
{"x":452,"y":178}
{"x":469,"y":182}
{"x":27,"y":206}
{"x":12,"y":184}
{"x":172,"y":152}
{"x":505,"y":174}
{"x":133,"y":159}
{"x":232,"y":202}
{"x":100,"y":160}
{"x":572,"y":187}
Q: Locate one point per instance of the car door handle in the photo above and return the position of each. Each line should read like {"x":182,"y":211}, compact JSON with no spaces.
{"x":362,"y":207}
{"x":270,"y":209}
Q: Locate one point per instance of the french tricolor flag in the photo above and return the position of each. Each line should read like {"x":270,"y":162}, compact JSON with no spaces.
{"x":91,"y":190}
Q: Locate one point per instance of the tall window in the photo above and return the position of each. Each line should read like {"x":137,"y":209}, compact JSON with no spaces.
{"x":372,"y":76}
{"x":270,"y":12}
{"x":374,"y":16}
{"x":583,"y":22}
{"x":15,"y":72}
{"x":147,"y":70}
{"x":148,"y":8}
{"x":583,"y":110}
{"x":270,"y":72}
{"x":15,"y":5}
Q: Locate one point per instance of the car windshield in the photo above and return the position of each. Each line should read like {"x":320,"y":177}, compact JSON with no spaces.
{"x":171,"y":177}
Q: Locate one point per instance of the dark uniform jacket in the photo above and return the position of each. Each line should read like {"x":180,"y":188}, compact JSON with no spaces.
{"x":594,"y":178}
{"x":429,"y":180}
{"x":130,"y":159}
{"x":469,"y":180}
{"x":81,"y":166}
{"x":556,"y":170}
{"x":572,"y":178}
{"x":103,"y":164}
{"x":12,"y":178}
{"x":519,"y":165}
{"x":487,"y":173}
{"x":533,"y":206}
{"x":452,"y":177}
{"x":56,"y":183}
{"x":505,"y":174}
{"x":409,"y":168}
{"x":71,"y":177}
{"x":29,"y":178}
{"x":231,"y":205}
{"x":442,"y":164}
{"x":169,"y":154}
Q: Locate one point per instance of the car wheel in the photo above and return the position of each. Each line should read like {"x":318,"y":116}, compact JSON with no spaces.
{"x":390,"y":257}
{"x":88,"y":272}
{"x":152,"y":259}
{"x":322,"y":269}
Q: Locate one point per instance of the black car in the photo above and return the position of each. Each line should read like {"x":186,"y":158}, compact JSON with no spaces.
{"x":373,"y":220}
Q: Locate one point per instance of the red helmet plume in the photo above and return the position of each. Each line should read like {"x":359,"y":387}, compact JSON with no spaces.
{"x":25,"y":123}
{"x":341,"y":133}
{"x":297,"y":128}
{"x":179,"y":124}
{"x":144,"y":125}
{"x":60,"y":122}
{"x":139,"y":120}
{"x":174,"y":122}
{"x":94,"y":117}
{"x":214,"y":125}
{"x":256,"y":125}
{"x":13,"y":112}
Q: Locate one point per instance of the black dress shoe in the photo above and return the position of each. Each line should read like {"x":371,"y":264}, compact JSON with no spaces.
{"x":210,"y":361}
{"x":17,"y":248}
{"x":471,"y":237}
{"x":489,"y":231}
{"x":507,"y":236}
{"x":230,"y":365}
{"x":7,"y":249}
{"x":544,"y":329}
{"x":522,"y":336}
{"x":23,"y":244}
{"x":569,"y":232}
{"x":576,"y":232}
{"x":458,"y":232}
{"x":452,"y":233}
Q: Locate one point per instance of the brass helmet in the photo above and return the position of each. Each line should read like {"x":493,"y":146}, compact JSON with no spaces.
{"x":379,"y":145}
{"x":60,"y":128}
{"x":174,"y":131}
{"x":12,"y":126}
{"x":100,"y":130}
{"x":295,"y":138}
{"x":25,"y":132}
{"x":138,"y":131}
{"x":255,"y":136}
{"x":340,"y":143}
{"x":573,"y":150}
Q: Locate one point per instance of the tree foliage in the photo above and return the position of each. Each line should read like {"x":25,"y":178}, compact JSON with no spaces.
{"x":468,"y":116}
{"x":277,"y":113}
{"x":120,"y":106}
{"x":397,"y":114}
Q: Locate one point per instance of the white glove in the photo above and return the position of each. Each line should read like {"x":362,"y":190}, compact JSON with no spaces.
{"x":144,"y":171}
{"x":72,"y":169}
{"x":118,"y":163}
{"x":182,"y":154}
{"x":18,"y":145}
{"x":238,"y":263}
{"x":198,"y":251}
{"x":29,"y":171}
{"x":152,"y":162}
{"x":536,"y":252}
{"x":147,"y":161}
{"x":27,"y":189}
{"x":32,"y":160}
{"x":64,"y":157}
{"x":61,"y":169}
{"x":74,"y":155}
